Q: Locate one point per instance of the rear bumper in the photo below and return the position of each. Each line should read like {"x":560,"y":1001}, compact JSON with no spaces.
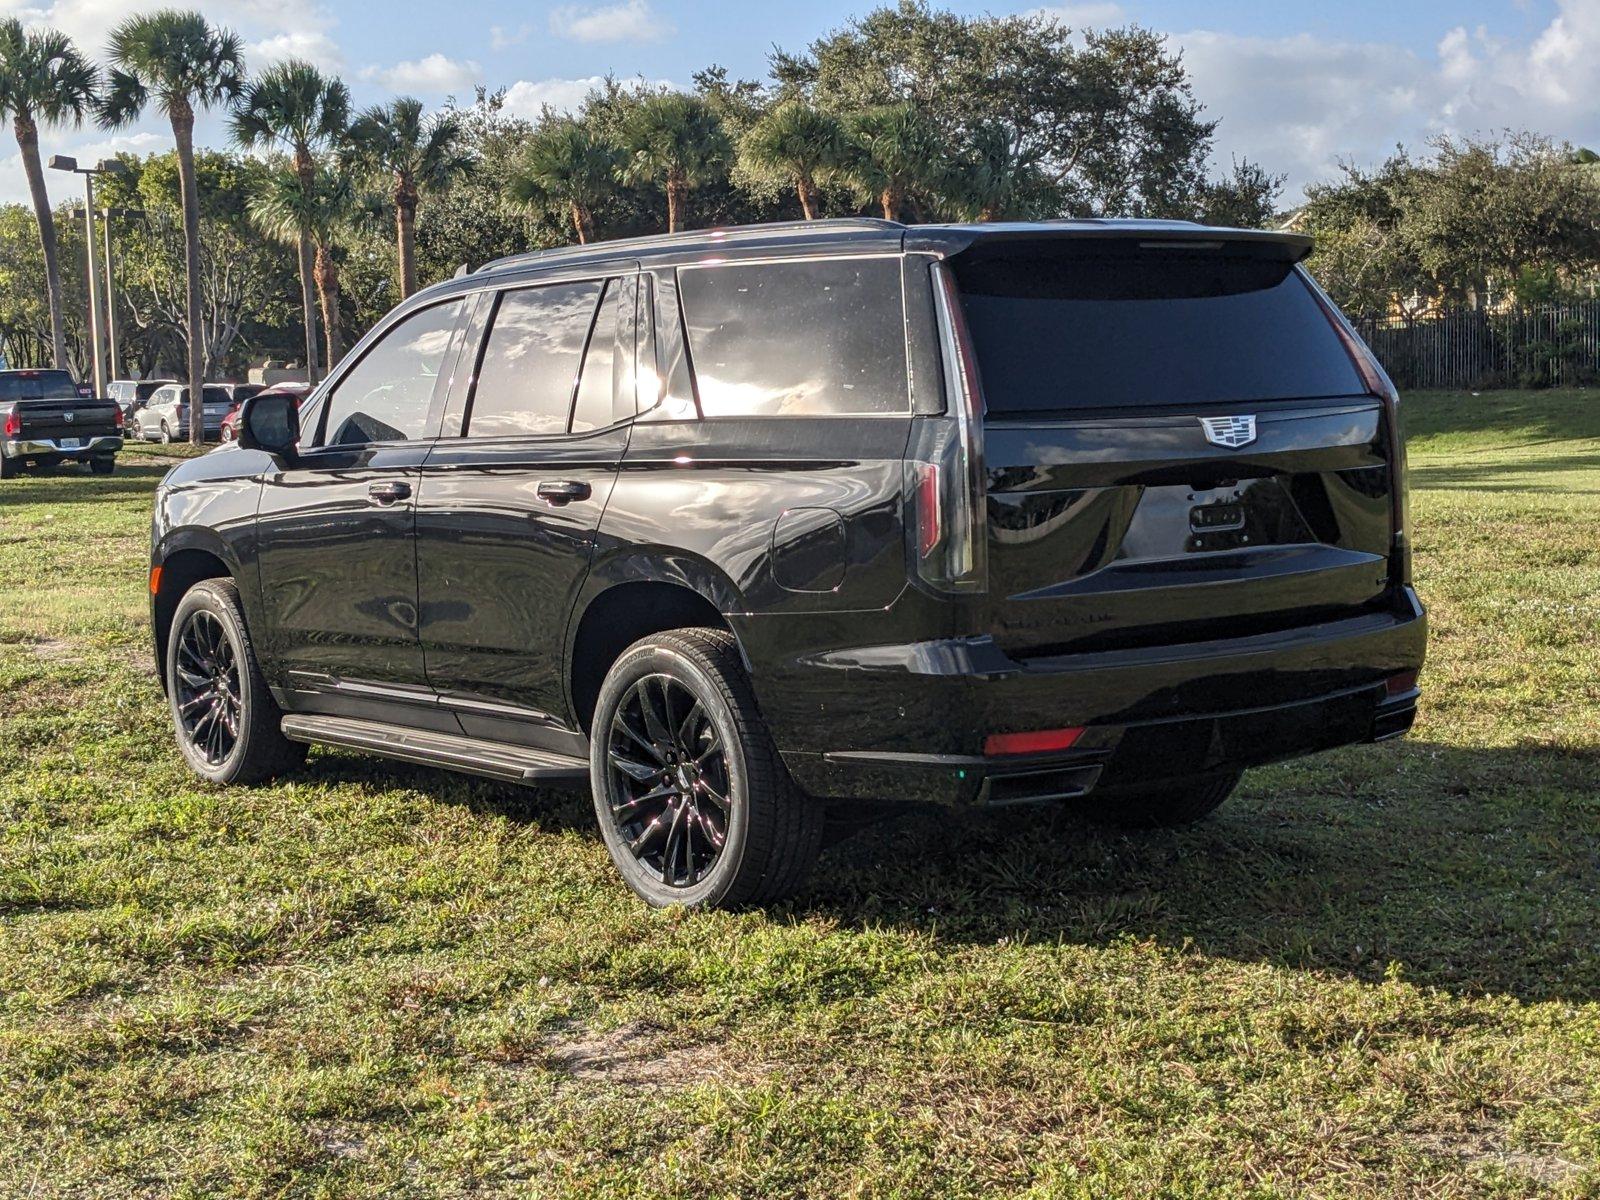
{"x":37,"y":447}
{"x":918,"y":716}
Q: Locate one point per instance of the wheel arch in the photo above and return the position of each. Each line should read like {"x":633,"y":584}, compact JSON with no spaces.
{"x":186,"y":557}
{"x":631,"y":599}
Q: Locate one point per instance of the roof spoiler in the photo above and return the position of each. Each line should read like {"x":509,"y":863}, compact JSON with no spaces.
{"x":1002,"y":239}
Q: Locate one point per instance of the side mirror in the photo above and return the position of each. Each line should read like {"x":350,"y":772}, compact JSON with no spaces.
{"x":270,"y":423}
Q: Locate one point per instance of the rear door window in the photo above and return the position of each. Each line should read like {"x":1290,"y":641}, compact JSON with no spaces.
{"x":529,"y":369}
{"x":1117,"y":328}
{"x":807,"y":338}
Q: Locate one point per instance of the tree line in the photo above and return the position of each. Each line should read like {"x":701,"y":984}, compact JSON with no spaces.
{"x":319,"y":217}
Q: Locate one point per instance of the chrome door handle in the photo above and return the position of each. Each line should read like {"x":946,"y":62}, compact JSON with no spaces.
{"x":389,"y":491}
{"x":564,"y":491}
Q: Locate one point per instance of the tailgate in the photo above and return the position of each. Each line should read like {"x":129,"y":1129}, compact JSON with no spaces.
{"x":1178,"y":446}
{"x":56,"y":419}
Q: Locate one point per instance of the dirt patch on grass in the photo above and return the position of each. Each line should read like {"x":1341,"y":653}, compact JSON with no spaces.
{"x":638,"y":1055}
{"x":55,"y":650}
{"x":1486,"y":1148}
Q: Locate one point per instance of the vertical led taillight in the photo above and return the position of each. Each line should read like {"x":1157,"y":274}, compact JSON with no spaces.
{"x":1377,"y":383}
{"x":944,"y":473}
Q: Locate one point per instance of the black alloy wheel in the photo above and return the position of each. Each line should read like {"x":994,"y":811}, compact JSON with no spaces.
{"x":692,"y":797}
{"x":207,"y":685}
{"x":228,"y":725}
{"x":670,"y":794}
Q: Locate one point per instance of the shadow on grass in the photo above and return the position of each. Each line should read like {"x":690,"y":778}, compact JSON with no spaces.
{"x":1507,"y":475}
{"x":1472,"y":870}
{"x":72,"y":484}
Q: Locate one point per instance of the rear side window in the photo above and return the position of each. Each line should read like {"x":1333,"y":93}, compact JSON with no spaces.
{"x":38,"y":385}
{"x":530,"y":360}
{"x":1134,"y":328}
{"x":797,"y":339}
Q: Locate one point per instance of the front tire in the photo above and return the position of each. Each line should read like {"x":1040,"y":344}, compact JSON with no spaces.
{"x":226,"y":721}
{"x":1163,"y":807}
{"x":693,"y":801}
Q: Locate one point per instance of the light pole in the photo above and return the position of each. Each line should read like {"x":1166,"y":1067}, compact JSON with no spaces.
{"x":106,"y":166}
{"x":111,"y":286}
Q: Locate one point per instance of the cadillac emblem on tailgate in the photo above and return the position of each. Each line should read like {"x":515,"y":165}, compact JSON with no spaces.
{"x":1231,"y":432}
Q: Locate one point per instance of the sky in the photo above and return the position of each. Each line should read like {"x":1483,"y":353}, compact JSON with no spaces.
{"x":1296,"y":85}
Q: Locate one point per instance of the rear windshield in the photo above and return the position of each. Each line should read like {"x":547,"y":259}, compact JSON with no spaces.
{"x":37,"y":385}
{"x":1129,"y":329}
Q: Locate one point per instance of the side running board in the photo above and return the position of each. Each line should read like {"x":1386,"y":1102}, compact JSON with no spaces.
{"x":518,"y":764}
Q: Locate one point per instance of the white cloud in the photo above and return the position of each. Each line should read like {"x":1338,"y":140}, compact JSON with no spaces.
{"x":434,"y":75}
{"x":1300,"y":104}
{"x":501,"y":38}
{"x":629,"y":21}
{"x":528,"y":98}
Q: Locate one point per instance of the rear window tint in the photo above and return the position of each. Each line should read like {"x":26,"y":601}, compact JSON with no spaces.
{"x":1143,"y":328}
{"x":38,"y":385}
{"x":530,"y":361}
{"x":797,"y":339}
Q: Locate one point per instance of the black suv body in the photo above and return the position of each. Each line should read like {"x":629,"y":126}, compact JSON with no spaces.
{"x":746,"y":524}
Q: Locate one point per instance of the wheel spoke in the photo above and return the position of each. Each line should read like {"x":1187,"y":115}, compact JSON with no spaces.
{"x":653,"y":722}
{"x":627,"y":809}
{"x":641,"y":772}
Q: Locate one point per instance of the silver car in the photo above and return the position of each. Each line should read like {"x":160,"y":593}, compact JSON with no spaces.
{"x":165,"y":417}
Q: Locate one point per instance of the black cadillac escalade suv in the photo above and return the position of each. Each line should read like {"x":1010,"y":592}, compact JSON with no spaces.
{"x":744,"y":525}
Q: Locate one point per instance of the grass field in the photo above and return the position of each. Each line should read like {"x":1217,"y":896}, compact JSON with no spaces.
{"x":1373,"y":973}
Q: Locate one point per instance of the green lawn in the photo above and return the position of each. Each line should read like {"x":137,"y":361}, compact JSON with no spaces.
{"x":1376,"y":972}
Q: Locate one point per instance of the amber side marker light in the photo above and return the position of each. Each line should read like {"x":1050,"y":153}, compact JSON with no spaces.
{"x":155,"y":580}
{"x":1037,"y":742}
{"x":1400,"y":684}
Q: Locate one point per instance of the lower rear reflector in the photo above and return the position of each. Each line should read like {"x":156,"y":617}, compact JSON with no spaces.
{"x":1037,"y":742}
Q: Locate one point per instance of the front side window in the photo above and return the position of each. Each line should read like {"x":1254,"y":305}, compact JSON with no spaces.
{"x":386,"y":396}
{"x":529,"y":370}
{"x":797,"y":339}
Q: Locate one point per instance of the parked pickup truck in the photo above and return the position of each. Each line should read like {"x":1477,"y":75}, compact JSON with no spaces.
{"x":44,"y":421}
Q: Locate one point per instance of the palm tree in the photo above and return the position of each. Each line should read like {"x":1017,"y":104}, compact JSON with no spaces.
{"x":296,"y":106}
{"x":893,"y":151}
{"x":986,"y":181}
{"x":285,"y":209}
{"x":43,"y":77}
{"x":178,"y":60}
{"x":674,"y":140}
{"x":797,"y":143}
{"x":419,"y":155}
{"x":566,"y":164}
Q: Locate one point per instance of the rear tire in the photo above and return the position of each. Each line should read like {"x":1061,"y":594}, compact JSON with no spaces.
{"x":165,"y":437}
{"x":693,"y":801}
{"x":1163,"y":807}
{"x":227,"y":724}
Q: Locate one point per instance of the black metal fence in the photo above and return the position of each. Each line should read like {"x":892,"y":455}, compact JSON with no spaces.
{"x":1546,"y":345}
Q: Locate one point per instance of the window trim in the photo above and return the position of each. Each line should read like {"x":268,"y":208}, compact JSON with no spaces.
{"x":892,"y":255}
{"x":495,"y":295}
{"x":323,"y":395}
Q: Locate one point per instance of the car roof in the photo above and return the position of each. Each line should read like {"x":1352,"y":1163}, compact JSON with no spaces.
{"x":845,"y":233}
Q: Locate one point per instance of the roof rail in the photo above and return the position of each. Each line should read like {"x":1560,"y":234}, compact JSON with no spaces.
{"x":555,"y":253}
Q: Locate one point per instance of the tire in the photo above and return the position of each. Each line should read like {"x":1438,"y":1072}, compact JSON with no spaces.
{"x":1163,"y":807}
{"x":102,"y":464}
{"x":248,"y":747}
{"x":165,"y":437}
{"x":728,"y":775}
{"x":226,"y":434}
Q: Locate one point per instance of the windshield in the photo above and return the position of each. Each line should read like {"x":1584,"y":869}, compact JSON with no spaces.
{"x":37,"y":385}
{"x":1120,"y":328}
